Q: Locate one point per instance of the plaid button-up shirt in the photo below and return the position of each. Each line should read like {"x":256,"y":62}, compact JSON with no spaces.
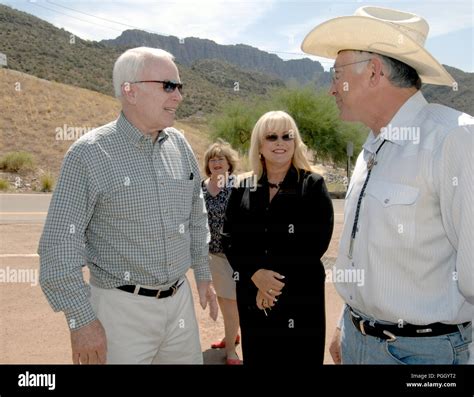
{"x":131,"y":209}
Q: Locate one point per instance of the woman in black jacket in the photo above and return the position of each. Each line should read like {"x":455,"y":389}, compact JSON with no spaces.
{"x":278,"y":224}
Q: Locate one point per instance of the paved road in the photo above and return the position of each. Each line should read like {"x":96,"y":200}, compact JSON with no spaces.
{"x":21,"y":222}
{"x":32,"y":208}
{"x":24,"y":208}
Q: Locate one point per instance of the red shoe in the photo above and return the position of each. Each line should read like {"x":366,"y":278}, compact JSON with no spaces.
{"x":221,"y":344}
{"x":233,"y":361}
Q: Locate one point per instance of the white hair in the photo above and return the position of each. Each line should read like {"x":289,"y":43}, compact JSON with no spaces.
{"x":398,"y":73}
{"x":130,"y":64}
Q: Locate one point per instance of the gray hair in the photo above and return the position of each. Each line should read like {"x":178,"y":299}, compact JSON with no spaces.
{"x":398,"y":73}
{"x":130,"y":64}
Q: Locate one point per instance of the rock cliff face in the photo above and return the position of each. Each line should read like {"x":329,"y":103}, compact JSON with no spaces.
{"x":191,"y":49}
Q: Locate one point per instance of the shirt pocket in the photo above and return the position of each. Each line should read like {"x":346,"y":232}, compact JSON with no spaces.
{"x":180,"y":197}
{"x":393,"y":212}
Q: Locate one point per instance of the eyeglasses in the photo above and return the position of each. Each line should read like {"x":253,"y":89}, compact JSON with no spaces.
{"x":217,"y":160}
{"x":332,"y":70}
{"x":168,"y":85}
{"x":288,"y":136}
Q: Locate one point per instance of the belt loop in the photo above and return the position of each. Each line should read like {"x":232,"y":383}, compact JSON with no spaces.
{"x":173,"y":287}
{"x":158,"y":294}
{"x":362,"y":328}
{"x":137,"y":289}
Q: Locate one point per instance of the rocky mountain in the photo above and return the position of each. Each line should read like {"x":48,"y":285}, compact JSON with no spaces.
{"x":302,"y":71}
{"x":191,"y":49}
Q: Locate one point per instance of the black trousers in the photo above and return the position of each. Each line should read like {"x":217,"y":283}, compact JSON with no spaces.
{"x":292,"y":333}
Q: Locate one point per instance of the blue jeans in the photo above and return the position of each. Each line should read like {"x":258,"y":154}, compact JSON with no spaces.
{"x":444,"y":349}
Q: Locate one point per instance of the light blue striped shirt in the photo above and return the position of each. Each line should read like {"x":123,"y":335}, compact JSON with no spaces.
{"x":414,"y":244}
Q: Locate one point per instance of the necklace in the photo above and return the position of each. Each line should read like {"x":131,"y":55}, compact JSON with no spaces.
{"x":370,"y":164}
{"x":275,"y":185}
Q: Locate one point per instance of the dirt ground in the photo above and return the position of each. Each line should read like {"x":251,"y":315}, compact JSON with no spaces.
{"x":31,"y":333}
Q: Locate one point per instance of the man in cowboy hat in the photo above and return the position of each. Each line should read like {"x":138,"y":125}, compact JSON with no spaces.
{"x":409,"y":218}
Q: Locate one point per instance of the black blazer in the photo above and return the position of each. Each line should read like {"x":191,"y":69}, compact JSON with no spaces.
{"x":288,"y":235}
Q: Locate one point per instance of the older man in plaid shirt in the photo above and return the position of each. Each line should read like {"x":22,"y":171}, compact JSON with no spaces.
{"x":129,"y":204}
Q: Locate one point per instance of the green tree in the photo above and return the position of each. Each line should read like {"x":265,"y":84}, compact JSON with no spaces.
{"x":235,"y":123}
{"x":315,"y":114}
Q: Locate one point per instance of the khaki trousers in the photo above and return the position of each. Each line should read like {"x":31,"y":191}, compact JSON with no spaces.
{"x":146,"y":330}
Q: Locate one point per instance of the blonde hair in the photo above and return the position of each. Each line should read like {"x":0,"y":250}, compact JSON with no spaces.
{"x":276,"y":121}
{"x":219,"y":149}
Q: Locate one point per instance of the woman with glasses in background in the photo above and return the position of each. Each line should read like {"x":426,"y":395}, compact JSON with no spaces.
{"x":274,"y":237}
{"x":220,"y":161}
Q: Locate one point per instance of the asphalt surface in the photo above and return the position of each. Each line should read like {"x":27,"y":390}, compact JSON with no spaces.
{"x":33,"y":208}
{"x":31,"y":333}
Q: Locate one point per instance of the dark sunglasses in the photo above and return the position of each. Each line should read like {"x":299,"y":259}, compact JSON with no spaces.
{"x":168,"y":85}
{"x":288,"y":136}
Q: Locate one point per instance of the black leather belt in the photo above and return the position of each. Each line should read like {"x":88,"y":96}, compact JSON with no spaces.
{"x":390,"y":332}
{"x":155,"y":293}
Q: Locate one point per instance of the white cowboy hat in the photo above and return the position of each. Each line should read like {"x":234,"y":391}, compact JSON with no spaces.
{"x":396,"y":34}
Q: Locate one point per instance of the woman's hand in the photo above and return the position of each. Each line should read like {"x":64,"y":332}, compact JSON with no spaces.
{"x":268,"y":284}
{"x":262,"y":302}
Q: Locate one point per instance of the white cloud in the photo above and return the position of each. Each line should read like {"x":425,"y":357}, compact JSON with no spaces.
{"x":221,"y":21}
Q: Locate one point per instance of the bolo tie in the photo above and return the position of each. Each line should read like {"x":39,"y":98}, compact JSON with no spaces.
{"x":370,"y":164}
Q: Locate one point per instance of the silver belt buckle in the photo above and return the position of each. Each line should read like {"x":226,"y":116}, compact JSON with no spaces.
{"x":424,"y":331}
{"x":393,"y":338}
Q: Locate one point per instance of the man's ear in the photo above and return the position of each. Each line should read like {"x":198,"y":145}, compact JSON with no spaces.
{"x":129,"y":93}
{"x":376,"y":67}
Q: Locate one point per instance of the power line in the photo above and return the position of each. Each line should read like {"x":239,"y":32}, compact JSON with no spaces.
{"x":70,"y":16}
{"x":103,"y":19}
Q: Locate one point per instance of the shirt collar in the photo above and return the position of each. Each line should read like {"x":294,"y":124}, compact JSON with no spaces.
{"x":402,"y":129}
{"x":134,"y":135}
{"x":290,"y":177}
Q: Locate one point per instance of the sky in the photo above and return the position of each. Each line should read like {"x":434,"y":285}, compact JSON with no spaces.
{"x":274,"y":26}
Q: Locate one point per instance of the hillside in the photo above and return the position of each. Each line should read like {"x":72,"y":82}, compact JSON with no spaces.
{"x":244,"y":56}
{"x":41,"y":111}
{"x":303,"y":71}
{"x":225,"y":75}
{"x":462,"y":99}
{"x":38,"y":48}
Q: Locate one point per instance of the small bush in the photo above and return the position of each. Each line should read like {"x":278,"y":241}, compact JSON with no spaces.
{"x":47,"y":183}
{"x":17,"y":161}
{"x":4,"y":185}
{"x":336,"y":187}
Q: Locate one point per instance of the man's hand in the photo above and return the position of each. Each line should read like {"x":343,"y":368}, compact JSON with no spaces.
{"x":267,"y":281}
{"x":89,"y":344}
{"x":207,"y":293}
{"x":335,"y":346}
